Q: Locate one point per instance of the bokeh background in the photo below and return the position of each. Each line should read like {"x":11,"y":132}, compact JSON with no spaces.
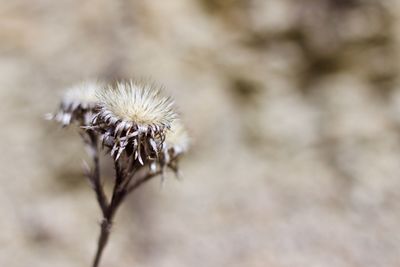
{"x":293,"y":108}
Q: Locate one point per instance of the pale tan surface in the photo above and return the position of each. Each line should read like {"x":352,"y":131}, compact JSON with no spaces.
{"x":294,"y":110}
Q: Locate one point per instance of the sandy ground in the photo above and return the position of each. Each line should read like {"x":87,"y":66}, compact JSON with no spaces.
{"x":294,"y":112}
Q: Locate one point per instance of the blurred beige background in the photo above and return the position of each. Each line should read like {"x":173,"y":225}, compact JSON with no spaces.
{"x":294,"y":111}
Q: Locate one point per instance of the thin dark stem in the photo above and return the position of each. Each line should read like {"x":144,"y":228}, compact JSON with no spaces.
{"x":94,"y":176}
{"x":118,"y":191}
{"x":148,"y":176}
{"x":98,"y":187}
{"x":141,"y":181}
{"x":122,"y":187}
{"x":131,"y":174}
{"x":118,"y":195}
{"x":103,"y":239}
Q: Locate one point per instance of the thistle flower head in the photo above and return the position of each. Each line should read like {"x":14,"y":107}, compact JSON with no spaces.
{"x":141,"y":104}
{"x":133,"y":117}
{"x":177,"y":139}
{"x":78,"y":104}
{"x":176,"y":143}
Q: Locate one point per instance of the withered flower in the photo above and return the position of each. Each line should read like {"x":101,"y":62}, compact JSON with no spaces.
{"x":133,"y":118}
{"x":78,"y":104}
{"x":140,"y":128}
{"x":176,"y":143}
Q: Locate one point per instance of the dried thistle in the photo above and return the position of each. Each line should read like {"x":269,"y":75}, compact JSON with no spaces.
{"x":138,"y":125}
{"x":133,"y":118}
{"x":78,"y":104}
{"x":176,"y":143}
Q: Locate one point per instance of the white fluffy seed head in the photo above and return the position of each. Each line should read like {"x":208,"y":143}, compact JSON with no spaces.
{"x":83,"y":94}
{"x":133,"y":118}
{"x":177,"y":138}
{"x":78,"y":104}
{"x":176,"y":143}
{"x":140,"y":104}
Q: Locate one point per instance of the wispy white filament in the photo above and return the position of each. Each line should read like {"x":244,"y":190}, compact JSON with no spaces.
{"x":141,"y":104}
